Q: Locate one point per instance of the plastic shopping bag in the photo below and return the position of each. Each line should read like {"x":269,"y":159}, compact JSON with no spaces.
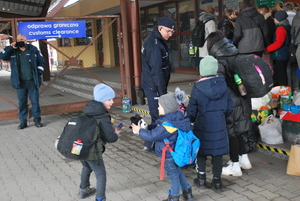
{"x":271,"y":130}
{"x":280,"y":90}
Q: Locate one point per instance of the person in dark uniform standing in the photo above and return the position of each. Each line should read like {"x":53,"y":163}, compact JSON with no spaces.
{"x":27,"y":66}
{"x":156,"y":68}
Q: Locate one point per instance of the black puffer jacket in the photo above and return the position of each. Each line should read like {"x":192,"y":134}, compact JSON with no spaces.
{"x":105,"y":127}
{"x":250,"y":25}
{"x":239,"y":121}
{"x":226,"y":27}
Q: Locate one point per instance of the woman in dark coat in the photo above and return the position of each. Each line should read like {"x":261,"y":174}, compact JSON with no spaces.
{"x":239,"y":122}
{"x":265,"y":11}
{"x":208,"y":108}
{"x":227,"y":24}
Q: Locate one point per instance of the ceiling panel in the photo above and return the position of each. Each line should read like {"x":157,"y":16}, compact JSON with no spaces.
{"x":24,"y":8}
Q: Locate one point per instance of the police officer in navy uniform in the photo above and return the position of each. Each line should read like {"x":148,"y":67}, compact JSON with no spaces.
{"x":156,"y":68}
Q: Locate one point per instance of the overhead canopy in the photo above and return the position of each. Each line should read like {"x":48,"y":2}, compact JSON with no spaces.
{"x":24,"y":8}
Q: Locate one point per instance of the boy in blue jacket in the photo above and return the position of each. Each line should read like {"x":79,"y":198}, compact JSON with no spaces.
{"x":208,"y":108}
{"x":168,"y":106}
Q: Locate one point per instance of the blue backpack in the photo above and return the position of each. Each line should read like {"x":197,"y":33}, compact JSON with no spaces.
{"x":185,"y":151}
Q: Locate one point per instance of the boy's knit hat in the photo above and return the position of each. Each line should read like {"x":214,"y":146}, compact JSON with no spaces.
{"x":280,"y":15}
{"x":208,"y":66}
{"x":171,"y":102}
{"x":102,"y":93}
{"x":166,"y":22}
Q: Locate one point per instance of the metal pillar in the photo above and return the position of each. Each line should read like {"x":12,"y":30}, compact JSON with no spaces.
{"x":136,"y":50}
{"x":126,"y":49}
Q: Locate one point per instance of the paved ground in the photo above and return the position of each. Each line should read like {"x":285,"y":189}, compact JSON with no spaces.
{"x":33,"y":170}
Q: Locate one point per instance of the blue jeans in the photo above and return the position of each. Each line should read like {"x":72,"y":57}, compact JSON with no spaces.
{"x":87,"y":168}
{"x":177,"y":178}
{"x":28,"y":88}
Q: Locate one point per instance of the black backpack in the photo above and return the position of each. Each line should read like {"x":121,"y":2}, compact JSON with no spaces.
{"x":198,"y":34}
{"x":256,"y":74}
{"x":82,"y":128}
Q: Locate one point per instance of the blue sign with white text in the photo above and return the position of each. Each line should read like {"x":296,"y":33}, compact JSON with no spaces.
{"x":52,"y":29}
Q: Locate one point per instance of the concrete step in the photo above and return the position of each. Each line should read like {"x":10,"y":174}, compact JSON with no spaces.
{"x":92,"y":81}
{"x":85,"y":78}
{"x":77,"y":85}
{"x":69,"y":87}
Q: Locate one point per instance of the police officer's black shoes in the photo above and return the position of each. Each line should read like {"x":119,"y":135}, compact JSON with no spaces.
{"x":22,"y":126}
{"x":38,"y":123}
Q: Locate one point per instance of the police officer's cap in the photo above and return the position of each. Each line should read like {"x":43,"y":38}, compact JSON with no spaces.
{"x":166,"y":22}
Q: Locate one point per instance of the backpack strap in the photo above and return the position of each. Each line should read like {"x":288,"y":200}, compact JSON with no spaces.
{"x":163,"y":158}
{"x":96,"y":141}
{"x":166,"y":147}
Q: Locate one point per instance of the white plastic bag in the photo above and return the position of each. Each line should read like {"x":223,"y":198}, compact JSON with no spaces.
{"x":263,"y":101}
{"x":296,"y":98}
{"x":271,"y":130}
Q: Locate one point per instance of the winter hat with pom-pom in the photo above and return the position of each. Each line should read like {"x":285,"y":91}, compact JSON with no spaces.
{"x":171,"y":102}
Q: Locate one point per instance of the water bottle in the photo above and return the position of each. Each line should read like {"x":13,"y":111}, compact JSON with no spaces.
{"x":126,"y":105}
{"x":191,"y":50}
{"x":239,"y":82}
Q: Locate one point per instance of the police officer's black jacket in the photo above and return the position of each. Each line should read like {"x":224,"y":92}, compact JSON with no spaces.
{"x":34,"y":57}
{"x":156,"y":64}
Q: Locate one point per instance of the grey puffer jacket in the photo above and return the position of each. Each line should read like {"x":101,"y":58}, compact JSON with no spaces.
{"x":251,"y":31}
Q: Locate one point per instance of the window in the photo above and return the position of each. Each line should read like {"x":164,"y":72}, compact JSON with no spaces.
{"x":186,"y":16}
{"x":85,"y":40}
{"x":151,"y":17}
{"x":64,"y":42}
